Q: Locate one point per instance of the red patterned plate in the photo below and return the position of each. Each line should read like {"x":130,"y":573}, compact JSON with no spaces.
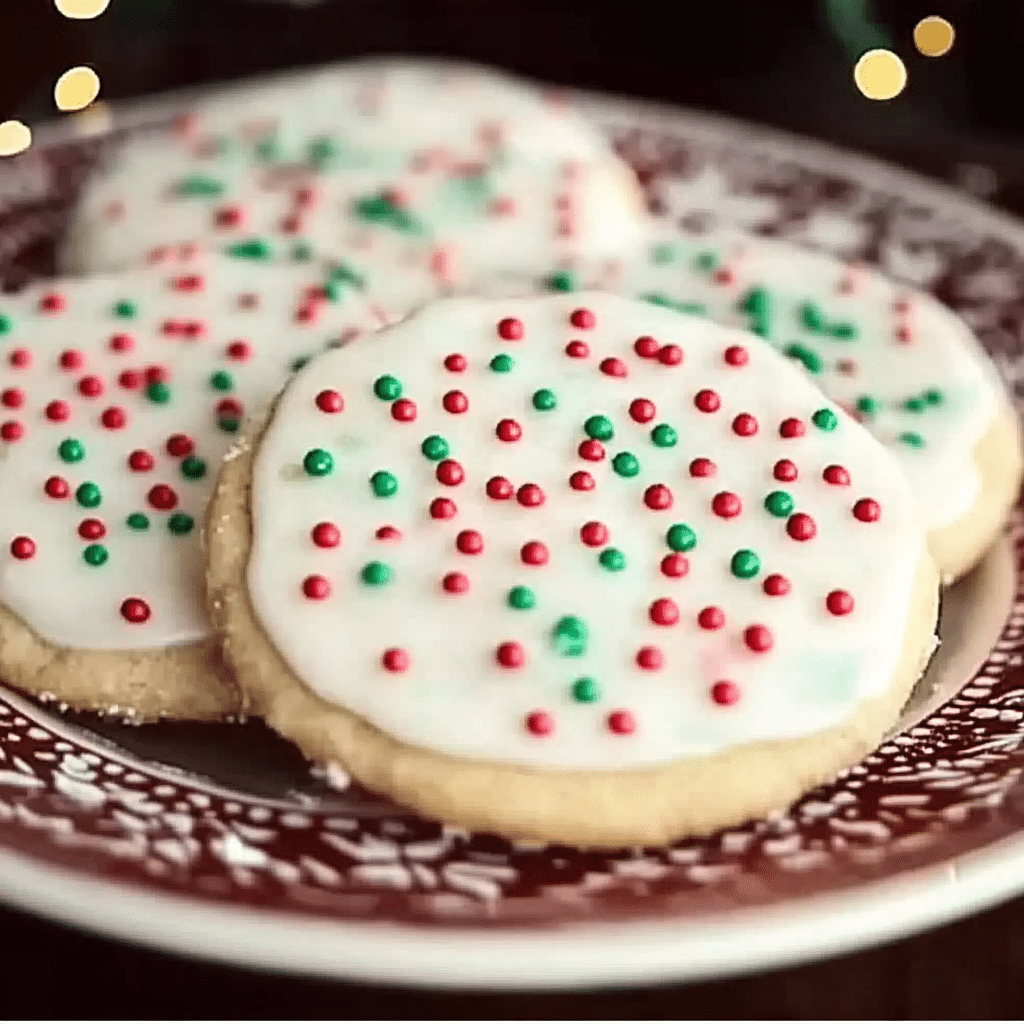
{"x":218,"y":841}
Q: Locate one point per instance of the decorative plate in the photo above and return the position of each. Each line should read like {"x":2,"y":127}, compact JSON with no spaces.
{"x":219,"y":841}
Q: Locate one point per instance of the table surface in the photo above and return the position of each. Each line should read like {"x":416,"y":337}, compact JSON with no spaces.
{"x":946,"y":127}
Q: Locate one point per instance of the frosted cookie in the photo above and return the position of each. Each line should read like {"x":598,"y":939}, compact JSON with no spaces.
{"x":573,"y":568}
{"x":895,"y":358}
{"x":120,"y":395}
{"x":479,"y":173}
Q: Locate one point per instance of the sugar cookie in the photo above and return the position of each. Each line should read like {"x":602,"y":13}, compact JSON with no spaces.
{"x":570,"y":567}
{"x":120,"y":394}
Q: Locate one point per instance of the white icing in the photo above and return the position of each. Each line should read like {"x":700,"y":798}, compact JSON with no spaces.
{"x":942,"y":353}
{"x":75,"y":604}
{"x":454,"y":696}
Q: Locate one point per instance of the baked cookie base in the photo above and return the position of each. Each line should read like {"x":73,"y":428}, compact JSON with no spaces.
{"x":694,"y":796}
{"x":185,"y":682}
{"x":999,"y":462}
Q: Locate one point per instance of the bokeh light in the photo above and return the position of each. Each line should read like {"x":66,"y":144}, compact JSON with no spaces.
{"x":933,"y":36}
{"x":76,"y":88}
{"x":880,"y":74}
{"x":83,"y":8}
{"x":15,"y":137}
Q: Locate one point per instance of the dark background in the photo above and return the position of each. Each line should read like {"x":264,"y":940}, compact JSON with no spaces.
{"x":786,"y":63}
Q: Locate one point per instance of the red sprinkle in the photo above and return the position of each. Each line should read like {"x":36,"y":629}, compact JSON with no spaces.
{"x":90,"y":387}
{"x":499,"y":488}
{"x":622,"y":723}
{"x":703,"y":467}
{"x":162,"y":497}
{"x":594,"y":534}
{"x":839,"y":602}
{"x":530,"y":496}
{"x":12,"y":430}
{"x":122,"y":343}
{"x":71,"y":359}
{"x":330,"y":401}
{"x":388,"y":533}
{"x":140,"y":461}
{"x":592,"y":451}
{"x":13,"y":398}
{"x":867,"y":510}
{"x":776,"y":585}
{"x":675,"y":565}
{"x":450,"y":473}
{"x":510,"y":329}
{"x":508,"y":430}
{"x":455,"y":363}
{"x":745,"y":425}
{"x":725,"y":693}
{"x":58,"y":411}
{"x":646,"y":347}
{"x":581,"y":480}
{"x":670,"y":355}
{"x":316,"y":588}
{"x":726,"y":504}
{"x":785,"y":470}
{"x":404,"y":410}
{"x":57,"y":487}
{"x":91,"y":529}
{"x":836,"y":475}
{"x":326,"y":535}
{"x":642,"y":410}
{"x":658,"y":497}
{"x":53,"y":302}
{"x":801,"y":526}
{"x":613,"y":367}
{"x":455,"y":402}
{"x":511,"y":655}
{"x":135,"y":610}
{"x":723,"y":275}
{"x":577,"y":350}
{"x":442,"y":508}
{"x":736,"y":355}
{"x":540,"y":723}
{"x":130,"y":379}
{"x":23,"y":547}
{"x":707,"y":400}
{"x":455,"y":583}
{"x":114,"y":418}
{"x":758,"y":638}
{"x":470,"y":542}
{"x":583,"y":319}
{"x":180,"y":445}
{"x":650,"y":658}
{"x":711,"y":618}
{"x":792,"y":427}
{"x":395,"y":659}
{"x":664,"y":612}
{"x":240,"y":350}
{"x":534,"y":553}
{"x":20,"y":358}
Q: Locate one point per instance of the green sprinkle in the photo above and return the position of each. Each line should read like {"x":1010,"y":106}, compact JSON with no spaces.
{"x":5,"y":324}
{"x":825,"y":419}
{"x":521,"y":598}
{"x":125,"y":309}
{"x":342,"y":273}
{"x":915,"y":405}
{"x":384,"y":484}
{"x":193,"y":468}
{"x":681,"y":538}
{"x":88,"y":495}
{"x":779,"y":503}
{"x":180,"y":524}
{"x":706,"y":261}
{"x":843,"y":331}
{"x":867,"y":406}
{"x":137,"y":521}
{"x":912,"y":440}
{"x":626,"y":464}
{"x":387,"y":388}
{"x":253,"y":249}
{"x":758,"y":306}
{"x":544,"y":400}
{"x":562,"y":281}
{"x":95,"y":554}
{"x":199,"y":185}
{"x":934,"y":397}
{"x":586,"y":690}
{"x":435,"y":448}
{"x":321,"y":152}
{"x":376,"y":574}
{"x":812,"y":317}
{"x":663,"y":253}
{"x":664,"y":436}
{"x":745,"y":564}
{"x":228,"y":425}
{"x":158,"y":392}
{"x":502,"y":363}
{"x":612,"y":559}
{"x":317,"y":462}
{"x":810,"y":359}
{"x":267,"y":148}
{"x":570,"y":636}
{"x":599,"y":428}
{"x":222,"y":381}
{"x":657,"y":299}
{"x":71,"y":450}
{"x":381,"y":210}
{"x":303,"y":252}
{"x":299,"y":363}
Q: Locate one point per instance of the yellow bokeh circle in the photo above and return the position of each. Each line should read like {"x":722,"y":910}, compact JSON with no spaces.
{"x":15,"y":137}
{"x":880,"y":75}
{"x":76,"y":88}
{"x":933,"y":36}
{"x":82,"y":8}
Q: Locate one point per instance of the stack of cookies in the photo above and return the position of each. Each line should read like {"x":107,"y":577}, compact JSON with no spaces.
{"x":378,"y":407}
